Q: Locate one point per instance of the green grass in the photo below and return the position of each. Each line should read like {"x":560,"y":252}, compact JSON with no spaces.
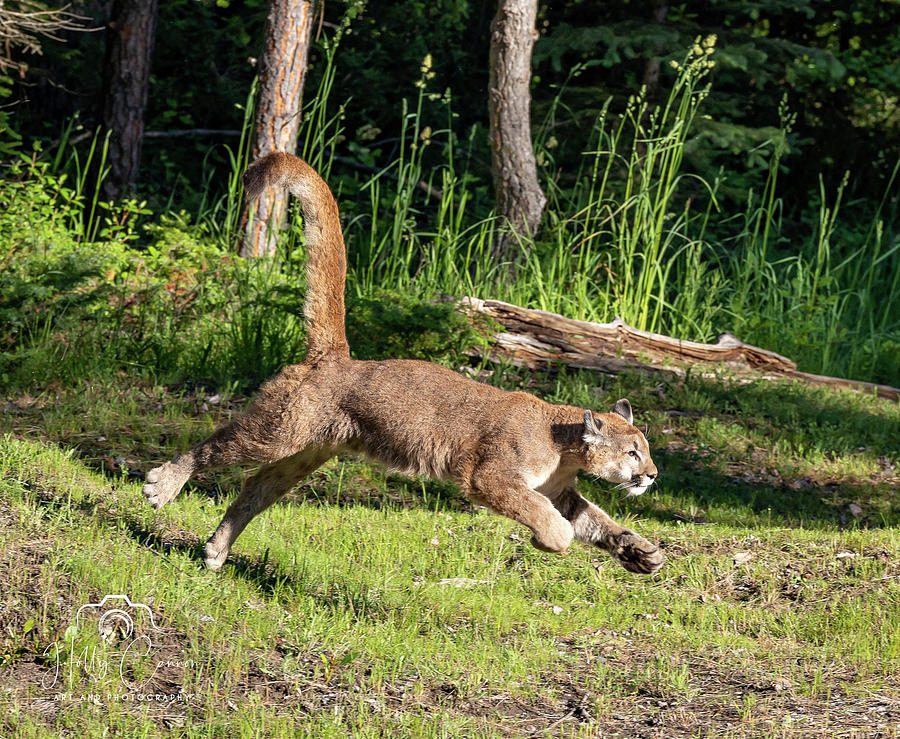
{"x":368,"y":604}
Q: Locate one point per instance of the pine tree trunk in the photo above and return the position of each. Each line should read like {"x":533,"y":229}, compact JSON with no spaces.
{"x":281,"y":78}
{"x":519,"y":197}
{"x":126,"y":81}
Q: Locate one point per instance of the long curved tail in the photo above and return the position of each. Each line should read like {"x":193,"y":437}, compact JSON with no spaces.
{"x":326,"y":262}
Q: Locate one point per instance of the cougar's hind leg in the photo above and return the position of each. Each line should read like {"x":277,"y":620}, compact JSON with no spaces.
{"x":263,"y":434}
{"x":224,"y":447}
{"x":592,"y":525}
{"x":259,"y":492}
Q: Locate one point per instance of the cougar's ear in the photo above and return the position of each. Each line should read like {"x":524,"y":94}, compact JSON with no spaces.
{"x":592,"y":427}
{"x":623,"y":408}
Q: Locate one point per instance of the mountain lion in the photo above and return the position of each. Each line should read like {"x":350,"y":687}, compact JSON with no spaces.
{"x":508,"y":451}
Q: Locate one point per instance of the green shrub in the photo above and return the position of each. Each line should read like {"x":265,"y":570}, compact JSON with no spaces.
{"x":391,"y":325}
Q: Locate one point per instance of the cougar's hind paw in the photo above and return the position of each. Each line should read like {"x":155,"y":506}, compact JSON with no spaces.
{"x":214,"y":557}
{"x":163,"y":484}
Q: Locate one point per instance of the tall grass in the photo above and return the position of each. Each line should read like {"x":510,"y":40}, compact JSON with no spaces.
{"x":641,"y":237}
{"x":636,"y":234}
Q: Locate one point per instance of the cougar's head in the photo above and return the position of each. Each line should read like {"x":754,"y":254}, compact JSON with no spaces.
{"x":616,"y":451}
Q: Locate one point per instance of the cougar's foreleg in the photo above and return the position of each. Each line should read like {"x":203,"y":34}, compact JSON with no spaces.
{"x":511,"y":497}
{"x":593,"y":525}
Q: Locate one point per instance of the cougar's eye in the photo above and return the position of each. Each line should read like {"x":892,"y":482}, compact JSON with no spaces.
{"x":632,"y":453}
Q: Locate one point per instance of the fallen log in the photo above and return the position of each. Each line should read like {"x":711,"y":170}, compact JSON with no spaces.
{"x":535,"y":338}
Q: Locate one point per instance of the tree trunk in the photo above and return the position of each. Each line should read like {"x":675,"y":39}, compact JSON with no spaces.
{"x":519,"y":197}
{"x":126,"y":81}
{"x":281,"y":77}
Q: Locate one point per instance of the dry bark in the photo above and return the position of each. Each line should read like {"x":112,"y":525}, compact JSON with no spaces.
{"x":534,"y":338}
{"x":282,"y":75}
{"x":126,"y":81}
{"x":519,"y":197}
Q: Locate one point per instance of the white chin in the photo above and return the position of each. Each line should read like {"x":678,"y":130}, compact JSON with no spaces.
{"x":637,"y":490}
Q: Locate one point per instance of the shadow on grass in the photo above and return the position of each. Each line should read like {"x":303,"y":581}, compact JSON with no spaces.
{"x":804,"y":417}
{"x":265,"y":575}
{"x":693,"y":492}
{"x":379,"y":491}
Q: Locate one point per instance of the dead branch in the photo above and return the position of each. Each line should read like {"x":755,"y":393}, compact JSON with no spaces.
{"x":22,"y":25}
{"x":535,"y":338}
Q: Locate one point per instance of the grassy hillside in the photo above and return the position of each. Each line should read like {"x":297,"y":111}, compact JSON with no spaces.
{"x":373,"y":605}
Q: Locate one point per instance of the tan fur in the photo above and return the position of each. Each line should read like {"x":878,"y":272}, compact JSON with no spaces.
{"x":507,"y":450}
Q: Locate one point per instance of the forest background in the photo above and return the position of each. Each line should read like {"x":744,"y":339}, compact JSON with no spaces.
{"x":761,"y":197}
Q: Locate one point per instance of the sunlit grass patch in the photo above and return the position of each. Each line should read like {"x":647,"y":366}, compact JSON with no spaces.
{"x":395,"y":605}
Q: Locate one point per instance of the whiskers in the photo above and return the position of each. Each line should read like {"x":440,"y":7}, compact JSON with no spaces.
{"x":633,"y":488}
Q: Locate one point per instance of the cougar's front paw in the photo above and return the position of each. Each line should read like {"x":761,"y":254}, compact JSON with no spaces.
{"x":163,"y":484}
{"x":636,"y":554}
